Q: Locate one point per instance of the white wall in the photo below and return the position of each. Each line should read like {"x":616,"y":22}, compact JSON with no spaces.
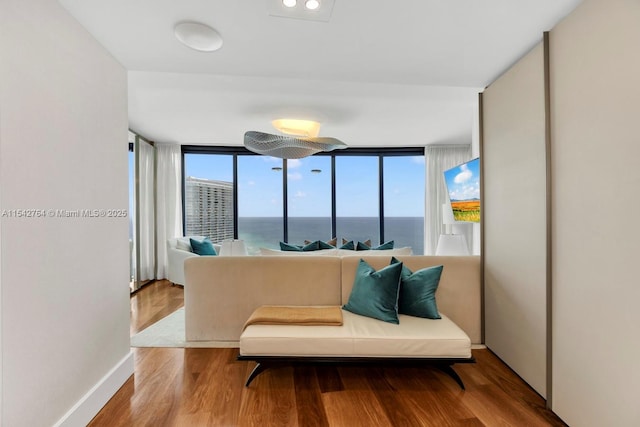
{"x":595,"y":104}
{"x":514,"y":216}
{"x":63,"y":136}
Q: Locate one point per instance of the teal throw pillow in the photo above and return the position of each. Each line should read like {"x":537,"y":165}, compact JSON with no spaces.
{"x":384,"y":246}
{"x":375,"y":293}
{"x":363,"y":246}
{"x":313,"y":246}
{"x":418,"y":291}
{"x":204,"y":247}
{"x":325,"y":245}
{"x":349,"y":246}
{"x":288,"y":247}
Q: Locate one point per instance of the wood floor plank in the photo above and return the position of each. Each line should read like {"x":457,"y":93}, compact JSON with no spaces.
{"x":308,"y":396}
{"x":270,"y":400}
{"x":205,"y":387}
{"x":329,"y":378}
{"x":354,"y":408}
{"x":423,"y":393}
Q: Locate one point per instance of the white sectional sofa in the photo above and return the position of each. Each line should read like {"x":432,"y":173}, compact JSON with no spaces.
{"x":179,"y":249}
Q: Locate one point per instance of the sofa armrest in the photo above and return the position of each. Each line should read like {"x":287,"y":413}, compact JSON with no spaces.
{"x":175,"y":272}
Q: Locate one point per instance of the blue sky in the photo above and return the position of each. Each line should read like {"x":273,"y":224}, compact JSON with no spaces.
{"x":463,"y":181}
{"x":260,"y":187}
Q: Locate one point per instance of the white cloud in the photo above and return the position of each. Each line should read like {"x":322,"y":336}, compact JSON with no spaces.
{"x":294,"y":163}
{"x":294,"y":176}
{"x":300,"y":194}
{"x":466,"y":192}
{"x":251,"y":183}
{"x":418,"y":160}
{"x":269,"y":159}
{"x":463,"y":176}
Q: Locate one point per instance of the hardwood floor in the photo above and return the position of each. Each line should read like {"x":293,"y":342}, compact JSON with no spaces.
{"x":205,"y":387}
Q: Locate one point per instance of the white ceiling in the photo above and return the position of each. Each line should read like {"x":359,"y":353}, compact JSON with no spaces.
{"x":379,"y":72}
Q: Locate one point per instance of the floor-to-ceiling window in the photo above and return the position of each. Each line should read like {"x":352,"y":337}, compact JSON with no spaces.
{"x":309,"y":199}
{"x":208,"y":196}
{"x":358,"y":198}
{"x":260,"y":202}
{"x":353,"y":194}
{"x":404,"y":193}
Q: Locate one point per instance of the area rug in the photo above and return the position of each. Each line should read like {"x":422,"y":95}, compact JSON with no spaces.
{"x":166,"y":332}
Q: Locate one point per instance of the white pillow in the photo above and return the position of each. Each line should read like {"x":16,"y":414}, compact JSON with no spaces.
{"x":184,"y":244}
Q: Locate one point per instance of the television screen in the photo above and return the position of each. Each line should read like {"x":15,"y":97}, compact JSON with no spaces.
{"x":463,"y":186}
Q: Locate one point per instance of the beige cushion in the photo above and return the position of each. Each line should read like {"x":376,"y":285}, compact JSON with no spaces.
{"x":360,"y":336}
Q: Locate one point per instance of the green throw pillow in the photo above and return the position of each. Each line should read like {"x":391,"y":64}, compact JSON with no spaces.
{"x":204,"y":247}
{"x":418,"y":291}
{"x":375,"y":293}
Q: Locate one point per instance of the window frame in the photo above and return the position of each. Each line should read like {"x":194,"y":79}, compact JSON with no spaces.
{"x":235,"y":151}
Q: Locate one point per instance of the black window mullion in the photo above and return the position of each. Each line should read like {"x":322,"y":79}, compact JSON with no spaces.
{"x":334,"y":222}
{"x":381,"y":196}
{"x":184,"y":192}
{"x":235,"y":195}
{"x":285,"y":202}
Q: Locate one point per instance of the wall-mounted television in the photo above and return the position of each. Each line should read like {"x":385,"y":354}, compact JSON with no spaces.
{"x":463,"y":186}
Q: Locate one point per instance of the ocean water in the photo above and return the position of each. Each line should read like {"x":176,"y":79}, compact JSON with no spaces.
{"x":267,"y":232}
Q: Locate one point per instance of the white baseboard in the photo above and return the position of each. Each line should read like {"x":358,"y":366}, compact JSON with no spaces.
{"x":212,"y":344}
{"x":91,"y":403}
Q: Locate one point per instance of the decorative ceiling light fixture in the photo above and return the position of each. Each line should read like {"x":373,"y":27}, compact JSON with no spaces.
{"x":288,"y":147}
{"x":305,"y":141}
{"x":198,"y":36}
{"x":312,"y":4}
{"x":307,"y":128}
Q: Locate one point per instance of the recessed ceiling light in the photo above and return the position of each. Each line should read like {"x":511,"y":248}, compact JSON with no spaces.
{"x":198,"y":36}
{"x":312,"y":4}
{"x":289,"y":3}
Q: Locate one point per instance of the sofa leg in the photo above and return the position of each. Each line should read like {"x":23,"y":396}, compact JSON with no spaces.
{"x":447,"y":369}
{"x":256,"y":371}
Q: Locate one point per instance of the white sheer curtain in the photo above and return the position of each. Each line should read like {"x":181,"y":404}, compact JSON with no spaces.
{"x":168,"y":201}
{"x":146,"y":230}
{"x":439,"y":158}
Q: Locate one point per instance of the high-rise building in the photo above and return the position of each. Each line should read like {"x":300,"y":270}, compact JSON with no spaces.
{"x":209,"y":208}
